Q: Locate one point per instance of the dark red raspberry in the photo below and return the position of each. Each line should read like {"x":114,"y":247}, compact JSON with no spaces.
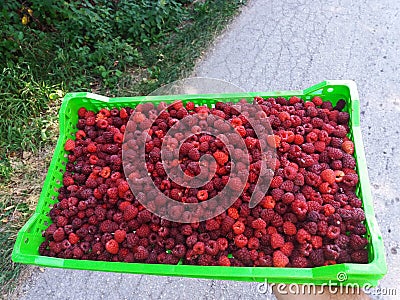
{"x":360,"y":256}
{"x":317,"y":257}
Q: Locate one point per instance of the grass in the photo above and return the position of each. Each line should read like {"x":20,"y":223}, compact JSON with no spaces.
{"x":34,"y":78}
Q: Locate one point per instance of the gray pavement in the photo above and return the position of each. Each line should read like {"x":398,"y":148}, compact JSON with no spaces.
{"x":282,"y":45}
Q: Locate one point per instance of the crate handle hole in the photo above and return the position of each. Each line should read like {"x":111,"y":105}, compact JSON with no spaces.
{"x":329,"y":90}
{"x":26,"y":241}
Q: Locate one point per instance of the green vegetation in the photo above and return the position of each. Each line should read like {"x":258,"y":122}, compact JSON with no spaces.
{"x":49,"y":47}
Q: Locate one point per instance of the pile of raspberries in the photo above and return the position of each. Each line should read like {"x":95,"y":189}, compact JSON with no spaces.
{"x":309,"y":217}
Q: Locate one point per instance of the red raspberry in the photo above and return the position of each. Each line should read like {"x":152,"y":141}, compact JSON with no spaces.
{"x":290,"y":172}
{"x":143,"y":231}
{"x":314,"y":206}
{"x":194,"y":154}
{"x":112,"y":193}
{"x":299,"y":180}
{"x":224,"y":261}
{"x":298,"y":139}
{"x":293,"y":100}
{"x":59,"y":235}
{"x":287,"y":248}
{"x":141,"y":253}
{"x":236,"y":184}
{"x":112,"y":246}
{"x":233,"y":213}
{"x":120,"y":235}
{"x":202,"y":195}
{"x":73,"y":238}
{"x":316,"y":241}
{"x":348,"y":147}
{"x":303,"y":236}
{"x":276,"y":182}
{"x":334,"y":153}
{"x":240,"y":240}
{"x":299,"y":262}
{"x":258,"y":224}
{"x":357,"y":242}
{"x":220,"y":157}
{"x":108,"y":226}
{"x":317,"y":100}
{"x":212,"y":224}
{"x":340,"y":131}
{"x":350,"y":179}
{"x":328,"y":175}
{"x":277,"y":240}
{"x":69,"y":145}
{"x":130,"y":212}
{"x":227,"y":224}
{"x":287,"y":185}
{"x":253,"y":243}
{"x":279,"y":259}
{"x":199,"y":248}
{"x":329,"y":210}
{"x":333,"y":232}
{"x":238,"y":227}
{"x":289,"y":228}
{"x":299,"y":207}
{"x":222,"y":244}
{"x":82,"y":112}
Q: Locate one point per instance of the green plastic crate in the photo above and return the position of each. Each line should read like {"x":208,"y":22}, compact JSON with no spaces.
{"x":29,"y":237}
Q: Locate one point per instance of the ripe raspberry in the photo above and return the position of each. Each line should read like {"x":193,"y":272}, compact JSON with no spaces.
{"x":287,"y":248}
{"x":348,"y":147}
{"x":303,"y":236}
{"x":258,"y":224}
{"x":328,"y":175}
{"x":108,"y":226}
{"x":348,"y":161}
{"x":59,"y":235}
{"x":130,"y":212}
{"x":316,"y":241}
{"x":360,"y":256}
{"x":112,"y":246}
{"x":194,"y":154}
{"x":289,"y":228}
{"x":69,"y":145}
{"x":73,"y":238}
{"x":212,"y":224}
{"x":224,"y":261}
{"x":141,"y":253}
{"x":340,"y":131}
{"x":333,"y":232}
{"x":350,"y":179}
{"x":343,"y":117}
{"x":290,"y":172}
{"x":334,"y":153}
{"x":233,"y":213}
{"x":238,"y":227}
{"x":240,"y":240}
{"x":276,"y":182}
{"x":299,"y":207}
{"x":236,"y":184}
{"x":299,"y":262}
{"x":120,"y":235}
{"x":279,"y":259}
{"x":227,"y":224}
{"x":220,"y":157}
{"x":202,"y":195}
{"x":357,"y":242}
{"x":277,"y":240}
{"x":317,"y":257}
{"x":199,"y":248}
{"x":287,"y":185}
